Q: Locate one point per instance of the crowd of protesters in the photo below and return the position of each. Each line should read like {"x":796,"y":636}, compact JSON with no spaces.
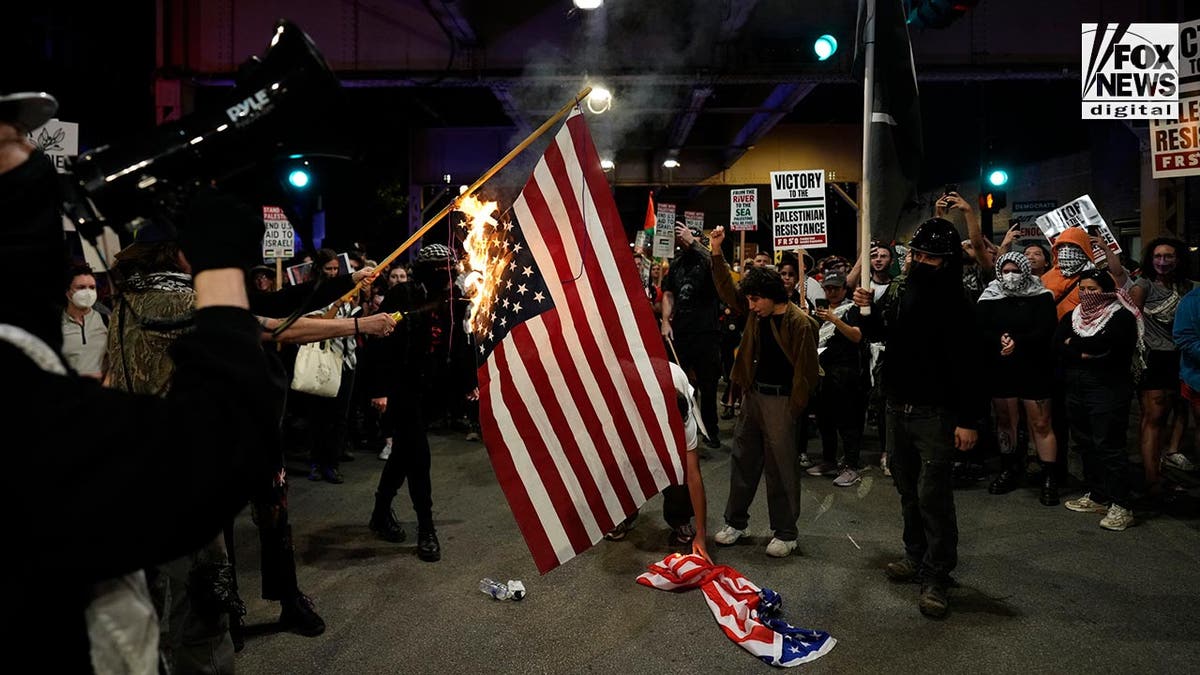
{"x":952,"y":347}
{"x":966,"y":355}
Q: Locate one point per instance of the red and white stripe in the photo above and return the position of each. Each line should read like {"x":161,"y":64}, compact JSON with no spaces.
{"x":577,"y":403}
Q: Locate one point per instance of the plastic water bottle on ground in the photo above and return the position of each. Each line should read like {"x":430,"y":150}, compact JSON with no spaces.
{"x":495,"y":589}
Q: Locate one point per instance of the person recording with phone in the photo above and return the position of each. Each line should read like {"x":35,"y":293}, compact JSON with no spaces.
{"x":157,"y":477}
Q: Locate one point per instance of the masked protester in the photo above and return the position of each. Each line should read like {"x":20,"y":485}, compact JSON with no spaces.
{"x":1016,"y":315}
{"x":139,"y":512}
{"x":408,"y":365}
{"x":934,"y":401}
{"x":690,"y":307}
{"x":85,"y":330}
{"x":1072,"y":253}
{"x":1157,"y":293}
{"x":1099,"y":344}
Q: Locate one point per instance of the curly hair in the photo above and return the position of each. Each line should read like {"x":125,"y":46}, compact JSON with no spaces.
{"x":763,"y":282}
{"x":1183,"y":267}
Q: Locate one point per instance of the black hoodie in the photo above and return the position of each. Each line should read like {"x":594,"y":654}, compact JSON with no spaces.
{"x":934,"y":347}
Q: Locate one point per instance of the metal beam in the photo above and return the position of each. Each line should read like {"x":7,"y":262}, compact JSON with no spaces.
{"x":731,"y":27}
{"x":784,"y":98}
{"x":687,"y":119}
{"x":515,"y":80}
{"x":449,"y":13}
{"x":504,"y":96}
{"x":739,"y":13}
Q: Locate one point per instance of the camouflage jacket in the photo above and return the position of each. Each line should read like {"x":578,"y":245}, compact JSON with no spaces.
{"x":150,"y":315}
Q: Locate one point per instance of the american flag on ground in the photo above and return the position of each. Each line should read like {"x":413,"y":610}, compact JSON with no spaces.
{"x":576,"y":402}
{"x":749,"y":615}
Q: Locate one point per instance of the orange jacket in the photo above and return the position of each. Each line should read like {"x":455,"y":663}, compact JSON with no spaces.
{"x":1065,"y":289}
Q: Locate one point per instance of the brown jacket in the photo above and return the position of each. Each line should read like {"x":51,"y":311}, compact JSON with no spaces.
{"x":796,"y":335}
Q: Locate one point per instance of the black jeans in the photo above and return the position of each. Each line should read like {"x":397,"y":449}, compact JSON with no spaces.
{"x":410,"y":457}
{"x":701,"y":355}
{"x":922,"y":454}
{"x":841,"y":410}
{"x":1098,"y":409}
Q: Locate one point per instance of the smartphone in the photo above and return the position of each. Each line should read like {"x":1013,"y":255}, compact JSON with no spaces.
{"x":950,"y":187}
{"x":822,"y":303}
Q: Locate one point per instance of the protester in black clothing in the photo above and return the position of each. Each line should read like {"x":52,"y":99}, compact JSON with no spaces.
{"x":841,"y":404}
{"x":690,"y":308}
{"x":934,"y":401}
{"x":1016,"y":314}
{"x":139,"y":511}
{"x":1099,"y":343}
{"x":404,"y":367}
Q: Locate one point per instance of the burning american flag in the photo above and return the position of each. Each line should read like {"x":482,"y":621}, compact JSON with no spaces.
{"x":576,"y":402}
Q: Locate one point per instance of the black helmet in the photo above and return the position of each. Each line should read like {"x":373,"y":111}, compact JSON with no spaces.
{"x":936,"y":236}
{"x":434,"y":253}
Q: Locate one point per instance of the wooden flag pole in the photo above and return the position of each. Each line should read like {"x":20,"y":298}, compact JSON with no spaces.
{"x":742,"y":251}
{"x":864,"y":200}
{"x":803,"y":282}
{"x":671,"y":344}
{"x":487,"y":175}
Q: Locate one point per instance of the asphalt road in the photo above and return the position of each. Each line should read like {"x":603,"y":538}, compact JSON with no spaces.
{"x":1041,"y":589}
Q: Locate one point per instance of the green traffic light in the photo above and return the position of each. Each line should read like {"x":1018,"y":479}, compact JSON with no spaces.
{"x":825,"y":46}
{"x":999,"y":177}
{"x":299,"y":178}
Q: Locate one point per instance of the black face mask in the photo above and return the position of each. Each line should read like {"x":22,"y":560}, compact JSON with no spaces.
{"x":31,"y":239}
{"x":432,"y":275}
{"x":920,"y":271}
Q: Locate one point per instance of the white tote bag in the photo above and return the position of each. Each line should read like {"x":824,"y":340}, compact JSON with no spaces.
{"x":318,"y":369}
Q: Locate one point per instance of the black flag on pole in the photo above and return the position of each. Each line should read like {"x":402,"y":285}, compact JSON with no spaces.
{"x":894,"y":144}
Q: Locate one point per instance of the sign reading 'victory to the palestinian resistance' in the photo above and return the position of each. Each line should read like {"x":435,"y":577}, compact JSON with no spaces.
{"x":1175,"y":143}
{"x":798,"y":209}
{"x":743,"y":209}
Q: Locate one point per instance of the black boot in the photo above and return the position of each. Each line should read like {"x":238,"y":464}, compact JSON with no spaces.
{"x":428,"y":548}
{"x":300,"y":616}
{"x":383,"y":520}
{"x":1010,"y":475}
{"x":1049,"y":496}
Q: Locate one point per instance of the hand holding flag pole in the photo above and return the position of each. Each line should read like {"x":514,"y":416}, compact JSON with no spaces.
{"x":487,"y":175}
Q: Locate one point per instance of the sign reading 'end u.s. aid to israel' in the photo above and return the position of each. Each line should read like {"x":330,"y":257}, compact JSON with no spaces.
{"x":798,"y":209}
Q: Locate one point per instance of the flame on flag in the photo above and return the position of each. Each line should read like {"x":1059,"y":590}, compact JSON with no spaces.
{"x":487,"y":258}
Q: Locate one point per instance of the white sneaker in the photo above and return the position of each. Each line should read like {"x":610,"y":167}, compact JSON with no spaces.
{"x":805,"y":462}
{"x":1085,"y":505}
{"x":779,"y":548}
{"x":728,"y":535}
{"x":1118,"y":518}
{"x":1178,"y":460}
{"x":847,"y":478}
{"x":385,"y":452}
